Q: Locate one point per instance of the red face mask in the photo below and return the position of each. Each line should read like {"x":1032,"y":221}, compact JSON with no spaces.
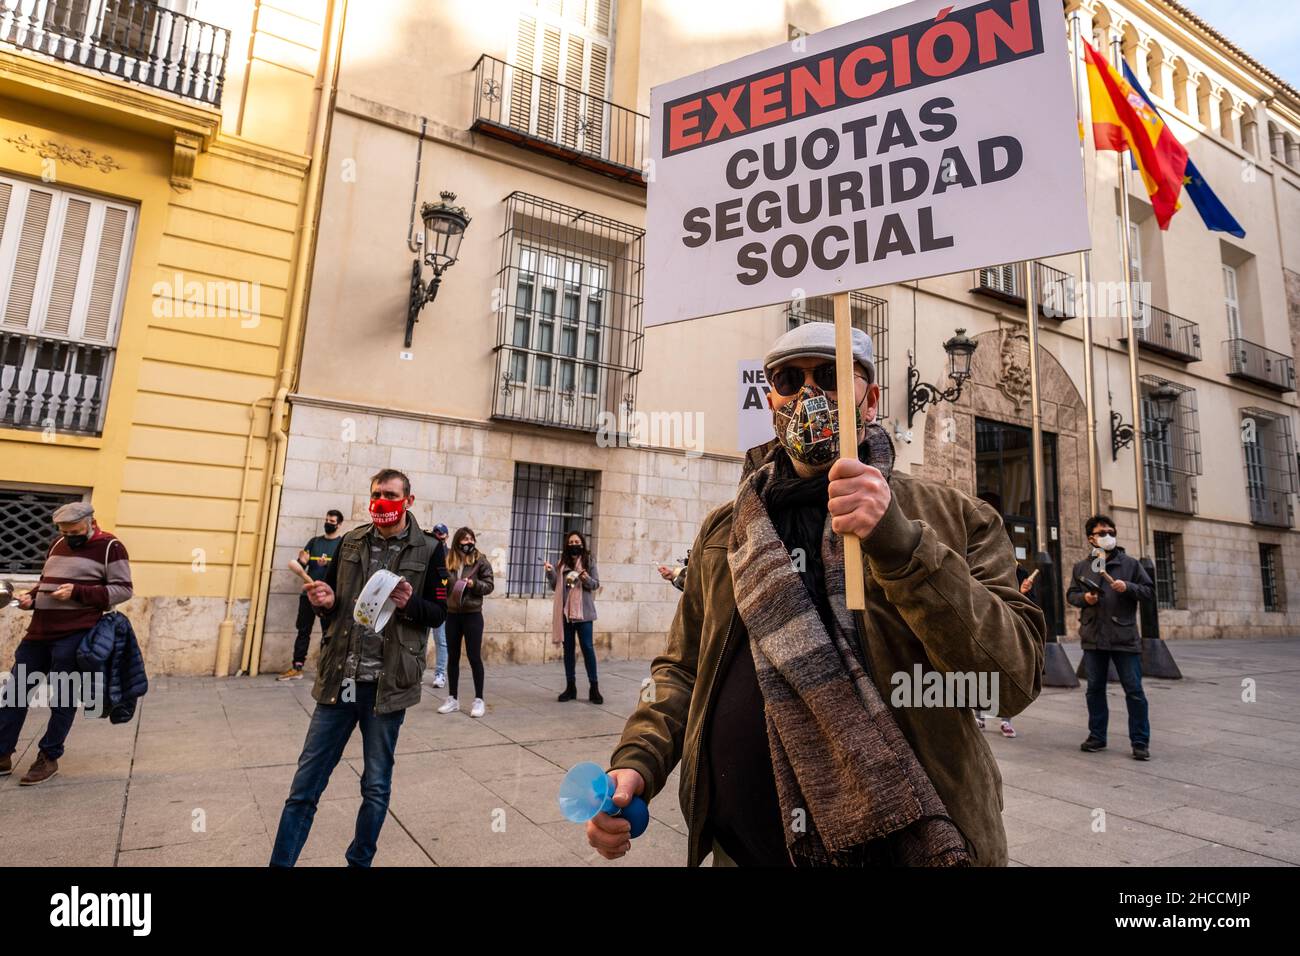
{"x":385,"y":513}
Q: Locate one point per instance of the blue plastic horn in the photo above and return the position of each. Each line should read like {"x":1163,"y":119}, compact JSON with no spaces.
{"x":587,"y":790}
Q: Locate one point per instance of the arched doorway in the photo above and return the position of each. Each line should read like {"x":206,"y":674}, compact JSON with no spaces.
{"x":966,"y":442}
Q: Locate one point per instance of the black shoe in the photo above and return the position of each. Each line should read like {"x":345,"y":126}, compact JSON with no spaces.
{"x":570,"y":693}
{"x":594,"y":696}
{"x":1141,"y":753}
{"x":1092,"y":745}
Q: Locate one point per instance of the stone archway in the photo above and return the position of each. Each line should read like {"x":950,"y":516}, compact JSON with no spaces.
{"x":999,"y":390}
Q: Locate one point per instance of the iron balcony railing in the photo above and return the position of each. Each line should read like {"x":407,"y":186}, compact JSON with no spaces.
{"x":53,"y":385}
{"x":1054,"y":290}
{"x":137,"y":41}
{"x":1254,"y":363}
{"x":1269,"y":506}
{"x":1160,"y":331}
{"x":566,"y":122}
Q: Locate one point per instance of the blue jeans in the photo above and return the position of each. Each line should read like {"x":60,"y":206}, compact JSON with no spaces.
{"x":57,"y":656}
{"x":440,"y":633}
{"x":1129,"y":668}
{"x":582,"y":631}
{"x":329,"y":732}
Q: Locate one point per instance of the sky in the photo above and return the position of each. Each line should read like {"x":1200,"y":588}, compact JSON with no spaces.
{"x":1269,"y":30}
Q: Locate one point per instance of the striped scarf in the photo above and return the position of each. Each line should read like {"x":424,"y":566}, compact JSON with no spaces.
{"x":851,"y":790}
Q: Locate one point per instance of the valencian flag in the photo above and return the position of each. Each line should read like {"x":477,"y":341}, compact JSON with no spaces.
{"x":1123,"y":119}
{"x":1214,"y":213}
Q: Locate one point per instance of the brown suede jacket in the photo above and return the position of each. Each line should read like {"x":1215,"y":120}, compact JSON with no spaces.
{"x":941,"y":593}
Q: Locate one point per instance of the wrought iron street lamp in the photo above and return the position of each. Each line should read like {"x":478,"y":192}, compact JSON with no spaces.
{"x":444,"y":227}
{"x":960,"y":348}
{"x":1164,"y":402}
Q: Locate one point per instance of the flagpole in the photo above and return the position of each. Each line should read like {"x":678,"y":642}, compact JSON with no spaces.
{"x":1085,"y":275}
{"x":1139,"y":469}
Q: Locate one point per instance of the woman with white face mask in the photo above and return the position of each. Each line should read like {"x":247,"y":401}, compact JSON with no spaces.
{"x":471,"y":581}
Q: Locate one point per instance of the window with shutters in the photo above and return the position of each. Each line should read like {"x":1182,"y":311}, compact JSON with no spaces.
{"x":561,"y":87}
{"x":553,"y":90}
{"x":63,"y":267}
{"x":1054,"y":290}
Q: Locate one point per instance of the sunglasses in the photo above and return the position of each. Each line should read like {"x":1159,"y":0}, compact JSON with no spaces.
{"x":788,"y":379}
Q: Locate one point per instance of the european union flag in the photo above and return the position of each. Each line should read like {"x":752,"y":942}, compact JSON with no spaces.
{"x":1214,"y":213}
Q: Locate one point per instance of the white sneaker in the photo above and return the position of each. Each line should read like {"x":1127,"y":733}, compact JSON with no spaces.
{"x":479,"y":708}
{"x":449,"y":706}
{"x":439,"y":680}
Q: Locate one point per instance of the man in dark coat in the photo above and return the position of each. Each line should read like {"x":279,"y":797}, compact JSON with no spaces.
{"x":1107,"y":586}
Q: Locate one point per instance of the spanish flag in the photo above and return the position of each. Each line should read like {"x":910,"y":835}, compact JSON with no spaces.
{"x":1122,"y":119}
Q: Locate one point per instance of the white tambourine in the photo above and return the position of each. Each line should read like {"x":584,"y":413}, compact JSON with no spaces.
{"x":375,"y":605}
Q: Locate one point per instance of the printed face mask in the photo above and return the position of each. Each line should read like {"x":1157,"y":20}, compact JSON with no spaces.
{"x":467,"y":547}
{"x":808,"y":427}
{"x":385,"y":513}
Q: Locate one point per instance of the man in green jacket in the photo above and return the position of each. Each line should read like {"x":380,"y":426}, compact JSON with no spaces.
{"x":779,"y":703}
{"x":366,"y":677}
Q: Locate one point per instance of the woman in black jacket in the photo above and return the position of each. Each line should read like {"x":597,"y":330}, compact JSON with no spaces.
{"x":471,"y":580}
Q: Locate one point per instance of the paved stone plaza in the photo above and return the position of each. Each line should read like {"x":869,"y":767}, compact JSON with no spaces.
{"x":199,"y":777}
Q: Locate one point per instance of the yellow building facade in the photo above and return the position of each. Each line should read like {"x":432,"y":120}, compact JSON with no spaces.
{"x":156,"y":202}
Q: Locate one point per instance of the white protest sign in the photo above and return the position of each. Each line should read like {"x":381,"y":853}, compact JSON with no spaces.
{"x":754,"y":418}
{"x":929,"y":139}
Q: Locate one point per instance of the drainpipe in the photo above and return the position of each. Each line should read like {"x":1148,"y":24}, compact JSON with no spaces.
{"x":309,"y":223}
{"x":226,"y":631}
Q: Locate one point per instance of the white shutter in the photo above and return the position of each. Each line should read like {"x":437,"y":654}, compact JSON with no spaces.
{"x":109,"y":262}
{"x":548,"y":65}
{"x":1230,"y":302}
{"x":21,"y":291}
{"x":67,"y":269}
{"x":521,"y":85}
{"x":5,"y":191}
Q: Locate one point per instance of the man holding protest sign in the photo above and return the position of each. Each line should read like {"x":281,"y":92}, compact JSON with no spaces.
{"x":893,"y":148}
{"x":772,"y":694}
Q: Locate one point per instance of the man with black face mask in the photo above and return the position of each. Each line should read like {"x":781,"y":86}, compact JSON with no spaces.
{"x":778,"y":702}
{"x":314,"y":560}
{"x":86,"y":573}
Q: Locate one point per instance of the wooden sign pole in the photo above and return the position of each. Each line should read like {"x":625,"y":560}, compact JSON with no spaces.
{"x":854,"y":584}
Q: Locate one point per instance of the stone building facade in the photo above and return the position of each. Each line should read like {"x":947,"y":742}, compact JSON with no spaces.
{"x":466,"y":411}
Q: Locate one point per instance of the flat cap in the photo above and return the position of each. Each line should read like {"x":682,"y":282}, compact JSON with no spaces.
{"x":817,"y":340}
{"x":73,"y":511}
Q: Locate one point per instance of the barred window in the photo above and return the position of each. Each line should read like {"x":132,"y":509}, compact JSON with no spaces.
{"x":866,"y":312}
{"x":1270,"y":577}
{"x":1171,"y":449}
{"x":549,"y":502}
{"x":569,"y":336}
{"x":1269,"y":454}
{"x":27,"y":528}
{"x":1167,"y":546}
